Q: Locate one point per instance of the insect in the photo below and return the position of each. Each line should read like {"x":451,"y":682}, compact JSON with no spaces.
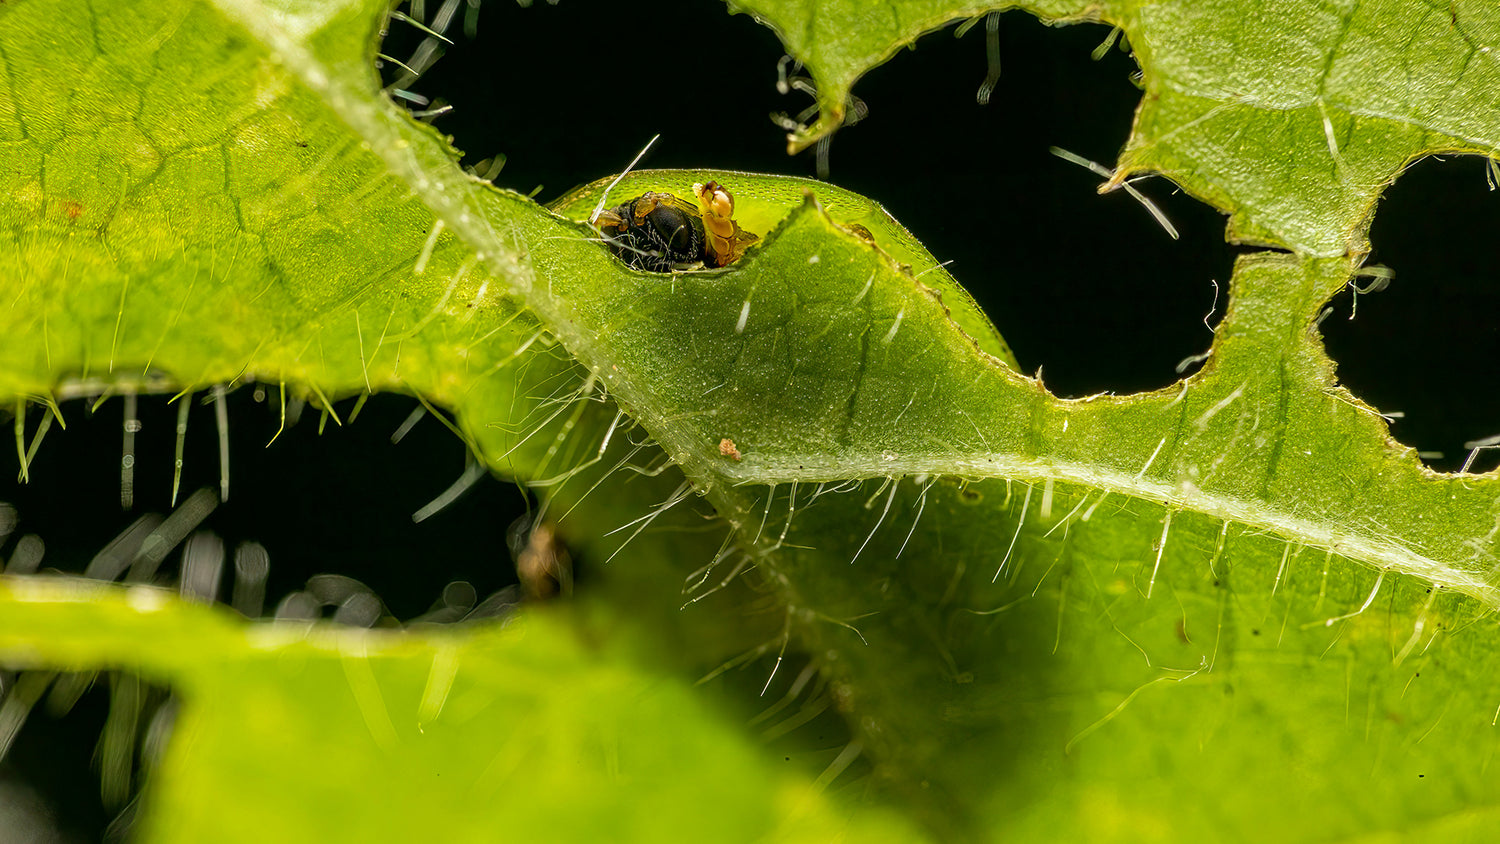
{"x":660,"y":231}
{"x":544,"y":565}
{"x":726,"y":241}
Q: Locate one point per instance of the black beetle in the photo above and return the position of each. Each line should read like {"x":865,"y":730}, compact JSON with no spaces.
{"x":655,"y":231}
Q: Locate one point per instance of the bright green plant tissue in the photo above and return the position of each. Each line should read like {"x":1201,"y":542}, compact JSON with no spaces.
{"x":1233,"y":609}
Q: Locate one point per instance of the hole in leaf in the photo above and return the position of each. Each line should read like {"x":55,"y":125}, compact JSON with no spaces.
{"x":339,"y":502}
{"x":1089,"y":288}
{"x":1426,"y":347}
{"x":569,"y":93}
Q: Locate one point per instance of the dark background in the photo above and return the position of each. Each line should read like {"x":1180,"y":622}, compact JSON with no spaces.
{"x":1086,"y":288}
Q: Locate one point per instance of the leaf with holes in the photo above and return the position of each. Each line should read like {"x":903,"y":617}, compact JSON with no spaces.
{"x":1230,"y":605}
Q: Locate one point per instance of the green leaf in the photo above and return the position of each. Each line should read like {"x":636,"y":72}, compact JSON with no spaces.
{"x":839,"y":40}
{"x":526,"y":730}
{"x":1233,"y":604}
{"x":762,"y":203}
{"x":1288,"y":116}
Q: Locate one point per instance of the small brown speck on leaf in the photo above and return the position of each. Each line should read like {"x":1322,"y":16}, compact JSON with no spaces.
{"x":727,"y":449}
